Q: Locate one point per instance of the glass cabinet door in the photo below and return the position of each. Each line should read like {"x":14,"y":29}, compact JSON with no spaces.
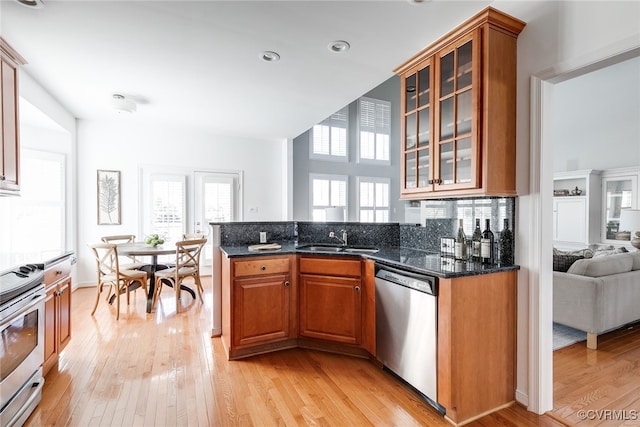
{"x":619,"y":192}
{"x":455,"y":138}
{"x":417,"y":129}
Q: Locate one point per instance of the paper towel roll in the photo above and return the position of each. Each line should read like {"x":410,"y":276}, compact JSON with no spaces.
{"x":335,"y":214}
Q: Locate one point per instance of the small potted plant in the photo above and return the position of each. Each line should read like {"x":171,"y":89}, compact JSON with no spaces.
{"x":154,"y":240}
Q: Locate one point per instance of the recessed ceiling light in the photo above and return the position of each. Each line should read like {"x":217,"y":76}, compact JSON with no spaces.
{"x":270,"y":56}
{"x":339,"y":46}
{"x":36,"y":4}
{"x":418,"y":1}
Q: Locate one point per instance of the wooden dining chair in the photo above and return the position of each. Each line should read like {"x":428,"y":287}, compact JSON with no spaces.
{"x":187,"y":265}
{"x":127,"y":262}
{"x":111,"y":275}
{"x":194,"y":236}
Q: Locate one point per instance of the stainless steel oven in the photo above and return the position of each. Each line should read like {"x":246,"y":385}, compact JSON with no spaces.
{"x":22,"y":297}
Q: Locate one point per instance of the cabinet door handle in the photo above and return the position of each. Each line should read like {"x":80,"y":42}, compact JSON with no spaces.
{"x":430,"y":181}
{"x":59,"y":272}
{"x":287,"y":283}
{"x":263,"y":267}
{"x":356,"y":288}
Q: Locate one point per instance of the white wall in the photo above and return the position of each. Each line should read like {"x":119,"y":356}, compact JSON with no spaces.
{"x":121,"y":145}
{"x":597,"y":119}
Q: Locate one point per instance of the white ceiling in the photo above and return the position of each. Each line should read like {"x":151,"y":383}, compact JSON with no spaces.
{"x":196,"y":63}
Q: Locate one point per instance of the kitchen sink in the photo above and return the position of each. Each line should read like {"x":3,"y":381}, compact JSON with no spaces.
{"x":332,"y":248}
{"x":361,"y":249}
{"x":321,"y":248}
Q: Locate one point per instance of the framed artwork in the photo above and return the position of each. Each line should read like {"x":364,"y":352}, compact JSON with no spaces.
{"x":108,"y":197}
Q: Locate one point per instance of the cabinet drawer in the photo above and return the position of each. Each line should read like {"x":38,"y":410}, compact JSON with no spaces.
{"x":57,"y":271}
{"x":258,"y":267}
{"x":330,"y":266}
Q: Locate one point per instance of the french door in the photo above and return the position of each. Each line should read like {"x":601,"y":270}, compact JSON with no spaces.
{"x":216,"y":199}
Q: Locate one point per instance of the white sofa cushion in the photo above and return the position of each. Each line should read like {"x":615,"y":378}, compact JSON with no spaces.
{"x":603,"y":266}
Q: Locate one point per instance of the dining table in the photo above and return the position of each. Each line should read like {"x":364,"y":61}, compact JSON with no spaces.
{"x":139,"y":249}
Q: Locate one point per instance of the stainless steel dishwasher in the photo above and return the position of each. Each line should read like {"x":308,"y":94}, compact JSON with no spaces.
{"x":406,"y":328}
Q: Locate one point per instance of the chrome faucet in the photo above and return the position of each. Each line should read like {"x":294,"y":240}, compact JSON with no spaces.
{"x":344,"y":237}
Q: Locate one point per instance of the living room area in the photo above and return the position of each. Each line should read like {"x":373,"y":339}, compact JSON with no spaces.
{"x":596,"y":263}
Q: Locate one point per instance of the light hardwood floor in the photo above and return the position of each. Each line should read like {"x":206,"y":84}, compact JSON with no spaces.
{"x":163,"y":369}
{"x":599,"y":387}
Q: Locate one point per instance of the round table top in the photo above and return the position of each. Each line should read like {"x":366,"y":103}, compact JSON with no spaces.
{"x":141,"y":249}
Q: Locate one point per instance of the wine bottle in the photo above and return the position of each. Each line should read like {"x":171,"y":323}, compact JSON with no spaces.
{"x":506,"y":245}
{"x":475,"y":242}
{"x":460,"y":245}
{"x":486,"y":245}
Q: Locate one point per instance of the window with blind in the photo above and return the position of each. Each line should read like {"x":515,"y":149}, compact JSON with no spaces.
{"x":327,"y":191}
{"x":374,"y":124}
{"x":167,"y":206}
{"x":329,"y":137}
{"x":373,"y":199}
{"x":38,"y":215}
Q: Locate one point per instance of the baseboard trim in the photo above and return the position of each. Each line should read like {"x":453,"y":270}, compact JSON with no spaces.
{"x":522,"y":398}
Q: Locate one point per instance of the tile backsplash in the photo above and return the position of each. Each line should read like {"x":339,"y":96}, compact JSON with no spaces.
{"x":439,"y":218}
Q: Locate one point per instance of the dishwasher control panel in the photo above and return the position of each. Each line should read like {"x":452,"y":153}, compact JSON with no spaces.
{"x":426,"y":284}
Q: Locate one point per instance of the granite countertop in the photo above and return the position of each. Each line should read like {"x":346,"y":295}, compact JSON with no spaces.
{"x":415,"y":260}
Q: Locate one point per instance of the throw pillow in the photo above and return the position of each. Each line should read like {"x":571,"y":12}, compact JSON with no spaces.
{"x":563,"y":262}
{"x":585,"y":253}
{"x":606,"y":252}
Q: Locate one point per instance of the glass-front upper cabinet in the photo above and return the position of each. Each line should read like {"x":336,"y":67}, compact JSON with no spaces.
{"x":458,"y":112}
{"x":619,"y":191}
{"x":417,"y":150}
{"x":457,"y":123}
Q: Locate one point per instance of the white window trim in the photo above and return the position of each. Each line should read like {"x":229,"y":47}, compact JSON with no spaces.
{"x":375,"y":180}
{"x":330,"y":157}
{"x":373,"y":161}
{"x":330,"y":177}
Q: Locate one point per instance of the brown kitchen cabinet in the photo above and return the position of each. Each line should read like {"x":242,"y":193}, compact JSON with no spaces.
{"x":458,"y":103}
{"x":258,"y":304}
{"x":10,"y":61}
{"x":337,"y":302}
{"x":57,"y":312}
{"x":476,"y":344}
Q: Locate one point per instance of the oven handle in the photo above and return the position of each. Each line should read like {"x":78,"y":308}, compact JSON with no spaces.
{"x":35,"y":300}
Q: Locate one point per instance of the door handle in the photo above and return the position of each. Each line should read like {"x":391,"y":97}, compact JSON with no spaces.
{"x":287,"y":283}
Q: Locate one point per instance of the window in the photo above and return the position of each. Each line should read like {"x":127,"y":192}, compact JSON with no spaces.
{"x":374,"y":123}
{"x":165,"y":206}
{"x":327,"y":191}
{"x":373,"y":199}
{"x":38,"y":215}
{"x":329,"y":137}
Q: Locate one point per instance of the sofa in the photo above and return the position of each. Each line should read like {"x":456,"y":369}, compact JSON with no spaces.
{"x":598,"y":294}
